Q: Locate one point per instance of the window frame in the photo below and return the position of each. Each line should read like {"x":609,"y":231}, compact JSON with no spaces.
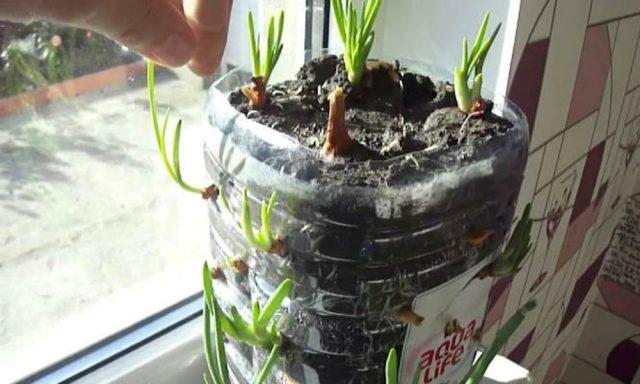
{"x":144,"y":332}
{"x":119,"y":344}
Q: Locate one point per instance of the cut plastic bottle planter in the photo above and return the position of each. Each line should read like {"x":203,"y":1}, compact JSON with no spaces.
{"x":358,"y":255}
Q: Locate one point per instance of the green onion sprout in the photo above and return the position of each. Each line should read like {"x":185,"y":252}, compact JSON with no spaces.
{"x":517,"y":248}
{"x":263,"y":332}
{"x":172,"y":166}
{"x":472,"y":63}
{"x":215,"y":352}
{"x":263,"y":61}
{"x":262,"y":239}
{"x":391,"y":369}
{"x":475,"y":374}
{"x":356,"y":32}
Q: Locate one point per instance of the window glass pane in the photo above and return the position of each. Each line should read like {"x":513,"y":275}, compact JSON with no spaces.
{"x":94,"y":235}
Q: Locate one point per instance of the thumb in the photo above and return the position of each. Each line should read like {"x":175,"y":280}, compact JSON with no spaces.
{"x":159,"y":30}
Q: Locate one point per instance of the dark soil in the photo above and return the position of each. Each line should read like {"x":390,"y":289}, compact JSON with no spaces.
{"x":394,"y":113}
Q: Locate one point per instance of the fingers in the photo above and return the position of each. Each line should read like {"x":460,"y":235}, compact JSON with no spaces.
{"x":208,"y":54}
{"x":160,"y":32}
{"x":170,"y":32}
{"x":156,"y":28}
{"x":209,"y":21}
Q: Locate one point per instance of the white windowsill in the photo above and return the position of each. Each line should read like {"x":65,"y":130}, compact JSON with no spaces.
{"x":177,"y":357}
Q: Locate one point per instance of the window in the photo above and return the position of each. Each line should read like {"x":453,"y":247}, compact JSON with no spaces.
{"x":94,"y":235}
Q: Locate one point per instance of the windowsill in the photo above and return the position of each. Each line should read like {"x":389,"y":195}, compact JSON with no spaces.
{"x":177,"y":357}
{"x":121,"y":344}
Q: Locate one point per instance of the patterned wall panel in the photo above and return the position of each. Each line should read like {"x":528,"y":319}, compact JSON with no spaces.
{"x":610,"y":340}
{"x":576,"y":74}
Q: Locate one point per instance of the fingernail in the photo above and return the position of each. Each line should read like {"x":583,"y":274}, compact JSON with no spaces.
{"x":200,"y":69}
{"x":175,"y":51}
{"x":208,"y":64}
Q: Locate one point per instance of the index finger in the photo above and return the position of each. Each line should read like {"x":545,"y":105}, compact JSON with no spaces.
{"x":209,"y":20}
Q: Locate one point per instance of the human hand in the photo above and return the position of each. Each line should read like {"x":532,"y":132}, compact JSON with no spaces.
{"x":170,"y":32}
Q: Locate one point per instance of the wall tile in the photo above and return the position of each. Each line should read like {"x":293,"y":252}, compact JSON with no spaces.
{"x":606,"y":228}
{"x":603,"y":10}
{"x":489,"y":334}
{"x":630,"y":111}
{"x":551,"y":154}
{"x":568,"y":323}
{"x":587,"y":251}
{"x":556,"y":220}
{"x":562,"y":282}
{"x":586,"y":190}
{"x":624,"y":111}
{"x":566,"y":340}
{"x":619,"y":283}
{"x":626,"y":41}
{"x":576,"y":142}
{"x":552,"y":313}
{"x":565,"y":46}
{"x":542,"y":29}
{"x":521,"y":337}
{"x":555,"y":368}
{"x":520,"y":350}
{"x":516,"y":289}
{"x":580,"y":291}
{"x":617,"y":299}
{"x":607,"y":160}
{"x":633,"y":111}
{"x":634,"y":80}
{"x":578,"y":130}
{"x":531,"y":173}
{"x":537,"y":347}
{"x":531,"y":270}
{"x":602,"y":333}
{"x":613,"y":31}
{"x":498,"y":296}
{"x":527,"y":81}
{"x":602,"y":124}
{"x":612,"y":164}
{"x":595,"y":60}
{"x":530,"y":15}
{"x":579,"y":371}
{"x":598,"y":296}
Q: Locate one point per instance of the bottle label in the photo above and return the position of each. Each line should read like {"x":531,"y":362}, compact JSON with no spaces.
{"x":441,"y":349}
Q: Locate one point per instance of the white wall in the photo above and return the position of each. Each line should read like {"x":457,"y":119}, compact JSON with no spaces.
{"x":237,"y":49}
{"x":432,"y":31}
